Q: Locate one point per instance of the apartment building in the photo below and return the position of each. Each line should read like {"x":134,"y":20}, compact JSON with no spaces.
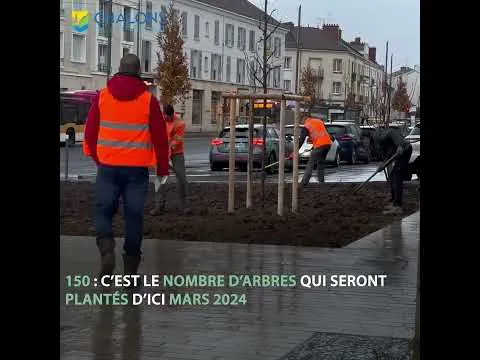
{"x":411,"y":78}
{"x":221,"y":38}
{"x":345,"y":72}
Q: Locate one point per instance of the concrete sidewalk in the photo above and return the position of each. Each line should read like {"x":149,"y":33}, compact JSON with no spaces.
{"x":287,"y":323}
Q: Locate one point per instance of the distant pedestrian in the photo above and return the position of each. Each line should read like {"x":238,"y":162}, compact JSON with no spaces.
{"x":125,"y":134}
{"x":315,"y":129}
{"x":176,"y":139}
{"x":391,"y":143}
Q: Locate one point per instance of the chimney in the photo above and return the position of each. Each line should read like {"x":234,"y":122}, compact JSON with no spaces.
{"x":372,"y":54}
{"x":333,"y":29}
{"x":357,"y":40}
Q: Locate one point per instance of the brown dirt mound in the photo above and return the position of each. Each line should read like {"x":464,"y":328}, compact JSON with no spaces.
{"x":329,"y":214}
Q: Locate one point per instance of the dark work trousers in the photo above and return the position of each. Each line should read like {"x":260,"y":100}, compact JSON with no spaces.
{"x":399,"y":173}
{"x":317,"y":157}
{"x":131,"y":184}
{"x":178,"y":166}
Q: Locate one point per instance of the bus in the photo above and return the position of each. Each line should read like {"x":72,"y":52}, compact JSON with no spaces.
{"x":74,"y":107}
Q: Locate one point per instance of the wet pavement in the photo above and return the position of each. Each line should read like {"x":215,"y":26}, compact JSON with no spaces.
{"x":275,"y":323}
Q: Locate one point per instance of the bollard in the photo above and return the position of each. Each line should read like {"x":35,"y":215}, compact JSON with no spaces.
{"x":67,"y":140}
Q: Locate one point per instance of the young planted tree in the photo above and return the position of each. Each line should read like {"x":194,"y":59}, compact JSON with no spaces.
{"x":400,"y":99}
{"x":172,"y":68}
{"x":259,"y":67}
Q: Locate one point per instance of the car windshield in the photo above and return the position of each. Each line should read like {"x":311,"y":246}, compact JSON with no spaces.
{"x":336,"y":130}
{"x":416,"y":130}
{"x":239,"y":133}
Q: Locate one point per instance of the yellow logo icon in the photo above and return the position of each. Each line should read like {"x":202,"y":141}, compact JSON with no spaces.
{"x":80,"y":20}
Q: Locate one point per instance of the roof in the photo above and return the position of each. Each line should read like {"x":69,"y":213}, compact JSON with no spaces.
{"x":313,"y":38}
{"x":241,"y":7}
{"x":403,"y":70}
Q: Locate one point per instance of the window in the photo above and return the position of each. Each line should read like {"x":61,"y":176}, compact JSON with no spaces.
{"x":287,"y":62}
{"x":269,"y":43}
{"x":240,"y":71}
{"x":196,"y":64}
{"x":251,"y":43}
{"x":78,"y":4}
{"x":104,"y":24}
{"x":229,"y":68}
{"x":184,"y":23}
{"x":62,"y":9}
{"x":163,"y":18}
{"x":207,"y":29}
{"x":252,"y":70}
{"x":146,"y":56}
{"x":337,"y":65}
{"x":287,"y":85}
{"x":148,"y":16}
{"x":61,"y":45}
{"x":217,"y":32}
{"x":229,"y":32}
{"x":277,"y":47}
{"x":337,"y":88}
{"x":216,"y":68}
{"x":127,"y":26}
{"x":78,"y":47}
{"x":205,"y":61}
{"x":276,"y":77}
{"x":196,"y":28}
{"x":242,"y":34}
{"x":102,"y":58}
{"x":125,"y":51}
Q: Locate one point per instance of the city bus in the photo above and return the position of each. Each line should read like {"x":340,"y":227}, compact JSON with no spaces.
{"x":74,"y":107}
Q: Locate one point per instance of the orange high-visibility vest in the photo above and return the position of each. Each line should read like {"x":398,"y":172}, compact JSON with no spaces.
{"x":124,"y":134}
{"x":176,"y":134}
{"x":317,"y":132}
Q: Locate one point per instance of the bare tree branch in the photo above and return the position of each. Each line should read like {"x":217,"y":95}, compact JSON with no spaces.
{"x":274,"y":29}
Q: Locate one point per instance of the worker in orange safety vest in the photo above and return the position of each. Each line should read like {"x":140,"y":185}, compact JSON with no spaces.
{"x":321,"y":140}
{"x":125,"y":134}
{"x":176,"y":140}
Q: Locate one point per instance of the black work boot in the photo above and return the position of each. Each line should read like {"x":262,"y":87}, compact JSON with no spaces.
{"x":130,"y":265}
{"x":106,"y":246}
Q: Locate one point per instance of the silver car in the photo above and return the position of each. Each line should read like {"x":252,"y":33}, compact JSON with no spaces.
{"x":305,"y":150}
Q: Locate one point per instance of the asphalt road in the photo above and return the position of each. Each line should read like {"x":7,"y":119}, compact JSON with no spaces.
{"x":198,"y":170}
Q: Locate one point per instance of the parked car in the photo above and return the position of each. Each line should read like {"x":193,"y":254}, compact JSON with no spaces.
{"x":414,"y":139}
{"x":400,"y":126}
{"x":305,"y":149}
{"x":220,"y":147}
{"x":368,"y":133}
{"x":353,"y":147}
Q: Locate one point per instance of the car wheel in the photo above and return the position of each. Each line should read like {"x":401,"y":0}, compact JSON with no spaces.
{"x":353,"y":157}
{"x":271,"y":160}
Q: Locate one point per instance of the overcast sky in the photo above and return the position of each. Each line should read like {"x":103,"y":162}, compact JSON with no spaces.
{"x":375,"y":21}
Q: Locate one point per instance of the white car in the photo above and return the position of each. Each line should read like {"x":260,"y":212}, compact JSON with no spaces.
{"x":333,"y":156}
{"x":414,"y":139}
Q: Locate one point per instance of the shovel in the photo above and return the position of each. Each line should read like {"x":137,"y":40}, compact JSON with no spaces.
{"x":380,"y":168}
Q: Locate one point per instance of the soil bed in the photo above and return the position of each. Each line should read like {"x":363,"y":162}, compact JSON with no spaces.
{"x":329,"y":214}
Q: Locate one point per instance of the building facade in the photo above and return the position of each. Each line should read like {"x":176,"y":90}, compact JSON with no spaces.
{"x":345,"y":73}
{"x":411,"y":78}
{"x":221,"y":41}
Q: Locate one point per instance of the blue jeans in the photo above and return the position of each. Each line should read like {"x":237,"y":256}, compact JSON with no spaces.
{"x":130,"y":183}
